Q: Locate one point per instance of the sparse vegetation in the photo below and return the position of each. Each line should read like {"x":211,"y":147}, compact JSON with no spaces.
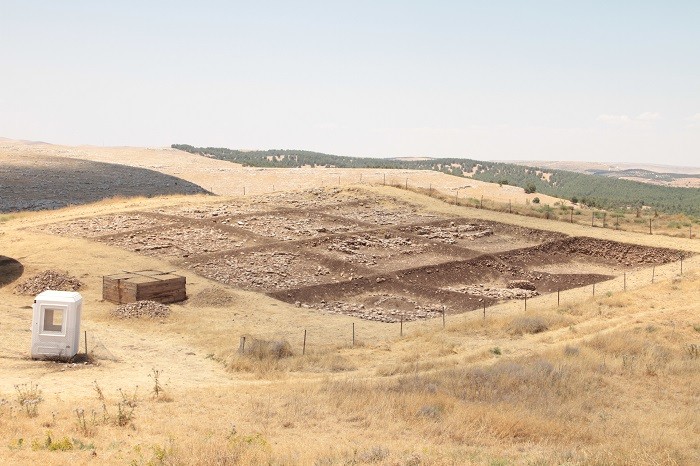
{"x":591,"y":190}
{"x":610,"y":380}
{"x":29,"y":397}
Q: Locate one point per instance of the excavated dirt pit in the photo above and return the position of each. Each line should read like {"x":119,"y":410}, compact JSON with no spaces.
{"x":384,"y":251}
{"x":283,"y":226}
{"x":212,"y":211}
{"x":107,"y":225}
{"x":177,"y":241}
{"x":382,"y":214}
{"x":269,"y":271}
{"x":343,"y":251}
{"x":482,"y":236}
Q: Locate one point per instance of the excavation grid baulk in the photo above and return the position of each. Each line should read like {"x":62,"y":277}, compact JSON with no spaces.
{"x":351,"y":252}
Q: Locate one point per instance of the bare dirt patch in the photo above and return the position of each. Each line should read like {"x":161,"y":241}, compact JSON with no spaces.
{"x":212,"y":297}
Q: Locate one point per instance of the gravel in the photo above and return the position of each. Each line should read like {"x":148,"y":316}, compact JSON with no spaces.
{"x":48,"y":280}
{"x":150,"y":309}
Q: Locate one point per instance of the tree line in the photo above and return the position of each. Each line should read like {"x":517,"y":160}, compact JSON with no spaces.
{"x":592,"y":190}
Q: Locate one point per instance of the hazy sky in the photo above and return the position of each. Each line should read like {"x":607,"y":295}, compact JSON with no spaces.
{"x":560,"y":80}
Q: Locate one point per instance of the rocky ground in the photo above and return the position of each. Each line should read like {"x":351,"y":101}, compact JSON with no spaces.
{"x":382,"y":309}
{"x":148,"y":309}
{"x":494,"y":292}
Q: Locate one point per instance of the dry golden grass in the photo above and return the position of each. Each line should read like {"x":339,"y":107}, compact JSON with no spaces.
{"x":610,"y":379}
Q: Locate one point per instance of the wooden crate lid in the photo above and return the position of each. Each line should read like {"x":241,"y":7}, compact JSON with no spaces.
{"x":144,"y":276}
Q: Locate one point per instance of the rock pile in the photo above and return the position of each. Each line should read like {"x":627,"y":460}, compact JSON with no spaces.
{"x":521,"y":284}
{"x":150,"y":309}
{"x":48,"y":280}
{"x":358,"y":247}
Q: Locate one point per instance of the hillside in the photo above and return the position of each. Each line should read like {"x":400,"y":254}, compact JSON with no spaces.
{"x":587,"y":380}
{"x":664,"y":175}
{"x":35,"y":182}
{"x":592,"y":190}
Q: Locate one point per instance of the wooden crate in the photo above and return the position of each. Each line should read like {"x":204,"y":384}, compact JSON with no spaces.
{"x":152,"y":285}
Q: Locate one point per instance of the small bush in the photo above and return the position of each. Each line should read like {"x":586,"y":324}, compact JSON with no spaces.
{"x":527,"y":324}
{"x":29,"y":397}
{"x":158,"y":391}
{"x":268,"y":349}
{"x":376,"y":454}
{"x":50,"y":444}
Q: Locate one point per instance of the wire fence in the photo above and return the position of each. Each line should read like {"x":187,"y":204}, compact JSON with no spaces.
{"x":357,"y":333}
{"x":644,"y":220}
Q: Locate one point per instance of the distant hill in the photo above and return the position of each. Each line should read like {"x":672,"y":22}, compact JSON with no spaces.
{"x":591,"y":189}
{"x":34,"y":182}
{"x":665,"y":175}
{"x":647,"y":176}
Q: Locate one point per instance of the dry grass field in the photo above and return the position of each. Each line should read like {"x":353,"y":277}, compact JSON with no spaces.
{"x":607,"y":379}
{"x":228,"y":179}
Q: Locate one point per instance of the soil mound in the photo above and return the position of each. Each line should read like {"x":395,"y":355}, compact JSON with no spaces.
{"x":10,"y":270}
{"x":212,"y":297}
{"x":48,"y":280}
{"x":150,"y":309}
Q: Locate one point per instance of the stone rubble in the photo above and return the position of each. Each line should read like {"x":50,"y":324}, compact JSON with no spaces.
{"x":178,"y":241}
{"x":100,"y":226}
{"x":494,"y":292}
{"x":450,"y":234}
{"x":263,"y":270}
{"x":149,"y":309}
{"x":380,"y":313}
{"x":48,"y":280}
{"x":358,"y":248}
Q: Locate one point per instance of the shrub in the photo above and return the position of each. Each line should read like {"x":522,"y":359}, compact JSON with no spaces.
{"x":29,"y":397}
{"x":268,"y":349}
{"x":527,"y":324}
{"x":536,"y":200}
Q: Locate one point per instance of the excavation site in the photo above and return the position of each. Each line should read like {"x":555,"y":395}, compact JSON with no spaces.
{"x":345,"y":251}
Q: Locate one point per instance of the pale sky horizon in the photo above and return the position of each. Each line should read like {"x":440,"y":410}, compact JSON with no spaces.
{"x":542,"y":80}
